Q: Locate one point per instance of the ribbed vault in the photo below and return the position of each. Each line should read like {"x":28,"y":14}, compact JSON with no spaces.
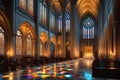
{"x":88,"y":6}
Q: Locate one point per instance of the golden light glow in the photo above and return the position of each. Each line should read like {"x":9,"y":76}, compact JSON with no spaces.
{"x":54,"y":67}
{"x":43,"y":72}
{"x":88,"y":6}
{"x":43,"y":37}
{"x":88,"y":62}
{"x":53,"y":40}
{"x":88,"y":52}
{"x":112,"y":55}
{"x":25,"y":29}
{"x":56,"y":4}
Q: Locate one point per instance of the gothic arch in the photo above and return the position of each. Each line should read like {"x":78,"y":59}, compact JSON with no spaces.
{"x":26,"y":28}
{"x":5,"y":25}
{"x":28,"y":39}
{"x":4,"y":22}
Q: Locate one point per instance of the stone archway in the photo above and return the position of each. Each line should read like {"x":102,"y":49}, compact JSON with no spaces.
{"x":5,"y":31}
{"x":44,"y":41}
{"x":28,"y":40}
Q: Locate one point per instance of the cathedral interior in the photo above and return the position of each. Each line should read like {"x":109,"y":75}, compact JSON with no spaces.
{"x":59,"y":40}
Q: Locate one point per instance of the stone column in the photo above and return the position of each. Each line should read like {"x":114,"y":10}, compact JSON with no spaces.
{"x":12,"y":46}
{"x":72,"y":29}
{"x":55,"y":54}
{"x":49,"y":28}
{"x":63,"y":33}
{"x":117,"y":39}
{"x":116,"y":17}
{"x":12,"y":37}
{"x":37,"y":20}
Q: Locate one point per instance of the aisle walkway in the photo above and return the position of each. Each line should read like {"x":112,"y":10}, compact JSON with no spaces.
{"x":79,"y":69}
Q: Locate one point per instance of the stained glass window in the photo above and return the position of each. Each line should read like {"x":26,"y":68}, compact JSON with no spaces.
{"x":29,"y":45}
{"x":19,"y":43}
{"x":88,"y":28}
{"x":27,"y":5}
{"x":43,"y":13}
{"x":22,"y":4}
{"x":67,"y":18}
{"x":1,"y":41}
{"x":30,"y":6}
{"x":60,"y":23}
{"x":52,"y":21}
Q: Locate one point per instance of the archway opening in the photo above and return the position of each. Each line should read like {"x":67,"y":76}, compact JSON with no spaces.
{"x":4,"y":34}
{"x":88,"y":36}
{"x":25,"y":40}
{"x":43,"y":44}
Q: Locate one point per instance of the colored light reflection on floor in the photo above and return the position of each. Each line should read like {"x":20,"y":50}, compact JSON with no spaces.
{"x":62,"y":70}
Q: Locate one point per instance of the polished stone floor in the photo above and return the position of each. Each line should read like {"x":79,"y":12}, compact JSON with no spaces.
{"x":78,"y":69}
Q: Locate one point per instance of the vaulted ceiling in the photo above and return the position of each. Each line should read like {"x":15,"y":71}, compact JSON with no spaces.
{"x":88,"y":7}
{"x":83,"y":6}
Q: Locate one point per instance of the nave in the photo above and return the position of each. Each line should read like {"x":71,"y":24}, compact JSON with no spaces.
{"x":76,"y":69}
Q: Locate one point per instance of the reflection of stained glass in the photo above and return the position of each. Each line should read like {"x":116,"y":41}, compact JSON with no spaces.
{"x":19,"y":43}
{"x":88,"y":28}
{"x":22,"y":4}
{"x":1,"y":41}
{"x":29,"y":45}
{"x":30,"y":6}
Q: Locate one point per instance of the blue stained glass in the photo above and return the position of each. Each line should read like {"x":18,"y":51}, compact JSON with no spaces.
{"x":88,"y":28}
{"x":88,"y":23}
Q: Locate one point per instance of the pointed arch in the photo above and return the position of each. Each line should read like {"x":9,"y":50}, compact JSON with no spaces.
{"x":4,"y":21}
{"x":27,"y":39}
{"x":26,"y":28}
{"x":5,"y":31}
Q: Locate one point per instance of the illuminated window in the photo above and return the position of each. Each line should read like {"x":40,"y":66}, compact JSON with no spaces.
{"x":27,"y":5}
{"x":60,"y":23}
{"x":29,"y":45}
{"x":43,"y":13}
{"x":22,"y":4}
{"x":30,"y":6}
{"x":88,"y":28}
{"x":19,"y":43}
{"x":1,"y":41}
{"x":67,"y":18}
{"x":52,"y":20}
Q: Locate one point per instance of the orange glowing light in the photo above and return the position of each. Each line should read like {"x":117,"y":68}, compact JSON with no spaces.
{"x":88,"y":52}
